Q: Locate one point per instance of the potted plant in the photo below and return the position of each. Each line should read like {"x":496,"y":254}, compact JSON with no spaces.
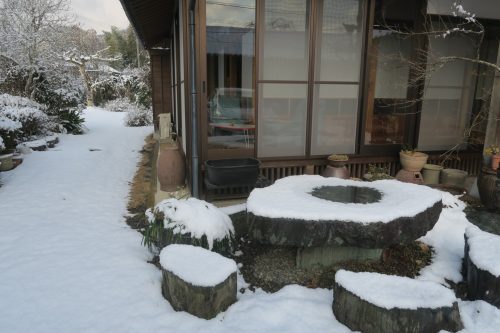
{"x":412,"y":160}
{"x":337,"y":166}
{"x":375,"y":172}
{"x":494,"y":153}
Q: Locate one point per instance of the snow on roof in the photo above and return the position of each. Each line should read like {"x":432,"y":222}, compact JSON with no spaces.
{"x":194,"y":216}
{"x":196,"y":265}
{"x":290,"y":198}
{"x":390,"y":291}
{"x":484,"y":250}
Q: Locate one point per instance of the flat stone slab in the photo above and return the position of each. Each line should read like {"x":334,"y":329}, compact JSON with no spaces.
{"x":197,"y":281}
{"x":482,"y":265}
{"x":326,"y":256}
{"x":374,"y":303}
{"x":288,"y":213}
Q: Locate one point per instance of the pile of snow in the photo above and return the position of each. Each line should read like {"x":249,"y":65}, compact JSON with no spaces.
{"x":447,"y":241}
{"x":290,"y":198}
{"x":196,"y":265}
{"x":192,"y":216}
{"x":390,"y":291}
{"x":484,"y":249}
{"x":230,"y":210}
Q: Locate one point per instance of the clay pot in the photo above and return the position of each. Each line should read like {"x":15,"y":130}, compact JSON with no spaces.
{"x":413,"y":162}
{"x":495,"y":162}
{"x":6,"y":163}
{"x":171,"y":167}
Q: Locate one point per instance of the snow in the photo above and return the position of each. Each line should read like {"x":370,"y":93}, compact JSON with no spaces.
{"x":233,"y":209}
{"x":193,"y":216}
{"x":390,"y":291}
{"x":69,"y":263}
{"x":447,"y":240}
{"x":196,"y":265}
{"x":288,"y":197}
{"x":484,"y":250}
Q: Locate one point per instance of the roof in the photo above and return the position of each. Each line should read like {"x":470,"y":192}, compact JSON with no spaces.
{"x":151,"y":19}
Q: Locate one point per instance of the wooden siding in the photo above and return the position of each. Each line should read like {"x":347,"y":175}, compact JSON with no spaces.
{"x":160,"y":84}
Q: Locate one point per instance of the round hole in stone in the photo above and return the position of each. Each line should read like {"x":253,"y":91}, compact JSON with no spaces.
{"x":348,"y":194}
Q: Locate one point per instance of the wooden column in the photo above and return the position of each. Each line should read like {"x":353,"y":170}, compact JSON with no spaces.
{"x":493,"y":129}
{"x":161,"y":84}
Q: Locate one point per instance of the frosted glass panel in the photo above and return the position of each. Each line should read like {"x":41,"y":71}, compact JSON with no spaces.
{"x":282,"y":120}
{"x":448,"y":96}
{"x":285,"y":40}
{"x":334,"y":119}
{"x":340,"y":41}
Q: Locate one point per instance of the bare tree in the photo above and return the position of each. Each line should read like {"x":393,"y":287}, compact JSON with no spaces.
{"x":29,"y":30}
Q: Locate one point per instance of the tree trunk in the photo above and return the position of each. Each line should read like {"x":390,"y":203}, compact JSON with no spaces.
{"x":88,"y":86}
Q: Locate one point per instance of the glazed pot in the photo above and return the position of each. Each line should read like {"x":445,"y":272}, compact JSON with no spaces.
{"x":336,"y":171}
{"x":413,"y":162}
{"x":489,"y":192}
{"x":431,"y":174}
{"x":453,"y":177}
{"x":6,"y":163}
{"x":171,"y":167}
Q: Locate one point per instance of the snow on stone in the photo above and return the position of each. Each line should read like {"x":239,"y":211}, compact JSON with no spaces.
{"x":193,"y":216}
{"x":447,"y":241}
{"x":288,"y":197}
{"x":230,"y":210}
{"x":390,"y":291}
{"x":196,"y":265}
{"x":484,"y":250}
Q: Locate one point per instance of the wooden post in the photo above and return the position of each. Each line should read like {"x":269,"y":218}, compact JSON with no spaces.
{"x":493,"y":128}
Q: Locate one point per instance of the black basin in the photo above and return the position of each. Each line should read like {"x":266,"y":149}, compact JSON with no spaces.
{"x":233,"y":172}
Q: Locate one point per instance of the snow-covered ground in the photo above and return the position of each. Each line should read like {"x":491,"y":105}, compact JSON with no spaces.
{"x":69,"y":263}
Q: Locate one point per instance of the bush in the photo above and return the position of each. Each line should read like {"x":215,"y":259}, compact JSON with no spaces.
{"x":139,"y":116}
{"x":189,"y":221}
{"x":119,"y":105}
{"x":22,"y":119}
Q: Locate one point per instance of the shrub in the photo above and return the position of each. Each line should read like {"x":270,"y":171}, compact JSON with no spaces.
{"x":23,"y":119}
{"x":139,"y":116}
{"x":119,"y":105}
{"x":189,"y":221}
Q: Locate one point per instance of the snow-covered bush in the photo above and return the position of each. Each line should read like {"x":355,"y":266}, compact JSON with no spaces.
{"x":137,"y":85}
{"x":107,"y":88}
{"x":64,"y":96}
{"x":119,"y":105}
{"x":31,"y":117}
{"x":189,"y":221}
{"x":8,"y":132}
{"x":139,"y":116}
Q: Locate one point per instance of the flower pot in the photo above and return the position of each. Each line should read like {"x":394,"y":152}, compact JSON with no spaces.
{"x":488,"y":190}
{"x":431,"y":174}
{"x":413,"y":162}
{"x":495,"y":161}
{"x":336,"y":171}
{"x":453,"y":177}
{"x":6,"y":163}
{"x":487,"y":161}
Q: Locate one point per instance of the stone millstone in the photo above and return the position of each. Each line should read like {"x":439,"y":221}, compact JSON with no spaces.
{"x":481,"y":284}
{"x":303,"y":233}
{"x":360,"y":315}
{"x":203,"y":302}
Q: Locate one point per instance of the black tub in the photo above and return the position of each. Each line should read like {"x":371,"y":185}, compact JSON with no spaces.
{"x":232,"y":172}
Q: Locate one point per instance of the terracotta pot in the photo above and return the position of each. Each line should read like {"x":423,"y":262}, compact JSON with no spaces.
{"x":171,"y":167}
{"x":413,"y":162}
{"x":495,"y":161}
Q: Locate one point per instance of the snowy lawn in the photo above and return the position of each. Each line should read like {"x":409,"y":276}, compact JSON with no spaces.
{"x":69,"y":263}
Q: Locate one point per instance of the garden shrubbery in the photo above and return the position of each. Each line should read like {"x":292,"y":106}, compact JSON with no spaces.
{"x":139,"y":116}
